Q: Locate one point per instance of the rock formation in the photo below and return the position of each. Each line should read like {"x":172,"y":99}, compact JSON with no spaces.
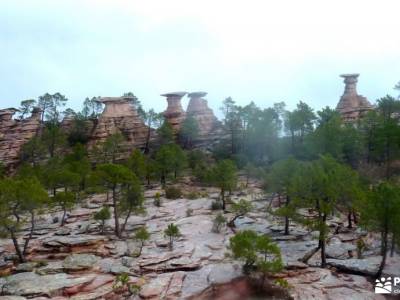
{"x":351,"y":105}
{"x":119,"y":116}
{"x":209,"y":126}
{"x":199,"y":110}
{"x":174,"y":113}
{"x":15,"y":133}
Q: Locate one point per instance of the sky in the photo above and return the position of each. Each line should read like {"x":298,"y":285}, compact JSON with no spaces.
{"x":262,"y":51}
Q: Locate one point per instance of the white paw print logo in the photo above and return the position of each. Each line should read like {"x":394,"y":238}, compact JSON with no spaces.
{"x":383,"y":285}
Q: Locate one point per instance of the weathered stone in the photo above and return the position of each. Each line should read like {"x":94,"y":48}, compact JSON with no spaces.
{"x":174,"y":114}
{"x":120,"y":116}
{"x":31,"y":284}
{"x":77,"y":262}
{"x":73,"y":241}
{"x":15,"y":133}
{"x":208,"y":125}
{"x":351,"y":105}
{"x":366,"y":266}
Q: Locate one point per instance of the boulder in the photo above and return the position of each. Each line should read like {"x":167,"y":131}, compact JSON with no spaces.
{"x":30,"y":284}
{"x":78,"y":262}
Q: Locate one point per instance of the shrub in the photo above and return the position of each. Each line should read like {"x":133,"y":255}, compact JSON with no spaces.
{"x":157,"y":200}
{"x":192,"y":195}
{"x":102,"y":216}
{"x":173,"y":192}
{"x":258,"y":252}
{"x":172,"y":232}
{"x":189,"y":212}
{"x":218,"y":222}
{"x":216,"y":205}
{"x":141,"y":235}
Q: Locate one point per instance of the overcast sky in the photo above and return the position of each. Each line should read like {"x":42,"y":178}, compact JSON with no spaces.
{"x":261,"y":51}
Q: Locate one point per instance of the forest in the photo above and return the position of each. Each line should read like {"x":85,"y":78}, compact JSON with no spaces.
{"x":306,"y":160}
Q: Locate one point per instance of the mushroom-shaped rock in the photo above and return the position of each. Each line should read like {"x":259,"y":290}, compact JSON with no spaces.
{"x":174,"y":113}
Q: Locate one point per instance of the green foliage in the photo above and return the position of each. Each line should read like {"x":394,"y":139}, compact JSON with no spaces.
{"x":51,"y":105}
{"x":117,"y":179}
{"x":157,"y":200}
{"x":380,"y":212}
{"x":280,"y":180}
{"x":137,"y":163}
{"x":170,"y":158}
{"x":239,"y":209}
{"x":141,"y":235}
{"x":173,"y":192}
{"x":121,"y":281}
{"x":282,"y":283}
{"x":20,"y":201}
{"x":322,"y":185}
{"x":172,"y":232}
{"x":257,"y":252}
{"x":166,"y":133}
{"x":91,"y":108}
{"x":298,"y":124}
{"x":26,"y":107}
{"x":216,"y":205}
{"x":192,"y":195}
{"x":218,"y":222}
{"x":33,"y":151}
{"x":2,"y":170}
{"x":53,"y":138}
{"x":189,"y":131}
{"x":361,"y":246}
{"x":111,"y":148}
{"x":223,"y":176}
{"x":65,"y":200}
{"x":102,"y":216}
{"x":78,"y":134}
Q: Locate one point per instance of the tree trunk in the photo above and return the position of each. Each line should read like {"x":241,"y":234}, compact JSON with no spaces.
{"x":354,"y":217}
{"x":126,"y":220}
{"x":116,"y":220}
{"x":384,"y":253}
{"x":102,"y":226}
{"x":287,"y":217}
{"x":18,"y":251}
{"x":350,"y":225}
{"x":140,"y":249}
{"x":63,"y":216}
{"x":322,"y":239}
{"x":223,"y":198}
{"x":30,"y":233}
{"x":146,"y":149}
{"x":393,"y":245}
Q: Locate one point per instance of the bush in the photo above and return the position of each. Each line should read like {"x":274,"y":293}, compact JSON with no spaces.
{"x":189,"y":212}
{"x":173,"y":192}
{"x":157,"y":200}
{"x":102,"y":216}
{"x":192,"y":195}
{"x":218,"y":222}
{"x":216,"y":205}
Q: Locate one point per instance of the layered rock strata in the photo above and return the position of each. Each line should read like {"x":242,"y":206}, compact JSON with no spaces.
{"x":351,"y":105}
{"x":210,"y":128}
{"x":120,"y":116}
{"x":15,"y":133}
{"x":174,"y":114}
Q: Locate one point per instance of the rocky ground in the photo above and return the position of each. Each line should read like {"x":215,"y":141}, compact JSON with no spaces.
{"x":76,"y":262}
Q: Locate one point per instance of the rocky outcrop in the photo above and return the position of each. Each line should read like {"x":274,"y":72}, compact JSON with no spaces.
{"x":120,"y":116}
{"x":199,"y":110}
{"x":351,"y":105}
{"x":15,"y":133}
{"x":174,"y":114}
